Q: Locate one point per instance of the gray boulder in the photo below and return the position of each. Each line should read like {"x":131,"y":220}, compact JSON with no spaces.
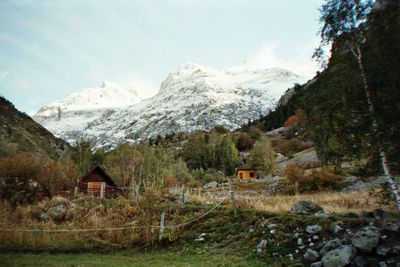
{"x":339,"y":257}
{"x":366,"y":239}
{"x":330,"y":245}
{"x":305,"y":207}
{"x":209,"y":185}
{"x":311,"y":255}
{"x":313,"y":229}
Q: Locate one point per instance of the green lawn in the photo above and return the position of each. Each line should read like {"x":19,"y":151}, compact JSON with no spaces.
{"x":126,"y":258}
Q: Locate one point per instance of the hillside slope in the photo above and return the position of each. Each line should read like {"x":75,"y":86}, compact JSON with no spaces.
{"x":19,"y":132}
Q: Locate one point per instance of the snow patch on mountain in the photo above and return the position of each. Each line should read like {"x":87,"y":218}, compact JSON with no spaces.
{"x":191,"y":98}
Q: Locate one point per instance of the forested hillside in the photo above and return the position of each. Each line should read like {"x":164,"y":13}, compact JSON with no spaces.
{"x":338,"y":117}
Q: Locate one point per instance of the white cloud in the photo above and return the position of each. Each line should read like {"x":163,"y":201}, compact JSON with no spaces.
{"x":302,"y":64}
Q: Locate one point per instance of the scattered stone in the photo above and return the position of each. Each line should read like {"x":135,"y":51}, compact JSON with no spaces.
{"x":299,"y":241}
{"x":209,"y":185}
{"x":311,"y":244}
{"x":271,"y":226}
{"x":315,"y":237}
{"x":272,"y":231}
{"x":313,"y":229}
{"x":296,"y":235}
{"x":290,"y":257}
{"x":201,"y":237}
{"x":305,"y":207}
{"x":335,"y":228}
{"x":296,"y":251}
{"x":251,"y":230}
{"x":330,"y":245}
{"x":261,"y":246}
{"x":383,"y":264}
{"x":339,"y":257}
{"x":366,"y":240}
{"x":316,"y":264}
{"x":311,"y":255}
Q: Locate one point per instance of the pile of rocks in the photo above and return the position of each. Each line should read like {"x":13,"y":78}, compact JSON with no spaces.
{"x":369,"y":245}
{"x":333,"y":240}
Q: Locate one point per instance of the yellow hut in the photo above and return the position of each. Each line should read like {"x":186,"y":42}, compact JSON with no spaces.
{"x":246,"y":173}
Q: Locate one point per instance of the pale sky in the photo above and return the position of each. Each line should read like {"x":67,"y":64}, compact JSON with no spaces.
{"x":51,"y":48}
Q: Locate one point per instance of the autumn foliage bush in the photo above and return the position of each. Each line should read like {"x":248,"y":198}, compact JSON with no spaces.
{"x":322,"y":179}
{"x":26,"y":178}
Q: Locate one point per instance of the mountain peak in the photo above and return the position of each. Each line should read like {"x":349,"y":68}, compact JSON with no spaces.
{"x":190,"y":98}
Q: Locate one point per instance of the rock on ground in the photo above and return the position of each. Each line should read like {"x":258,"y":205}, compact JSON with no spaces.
{"x":313,"y":229}
{"x":330,"y":245}
{"x":339,"y":257}
{"x":305,"y":207}
{"x":366,"y":239}
{"x":212,"y":184}
{"x":311,"y":255}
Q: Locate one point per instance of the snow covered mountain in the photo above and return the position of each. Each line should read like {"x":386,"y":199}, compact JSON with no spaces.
{"x":191,"y":98}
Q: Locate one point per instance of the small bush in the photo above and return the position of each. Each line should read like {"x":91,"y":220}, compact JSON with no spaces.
{"x":289,"y":147}
{"x":322,"y":179}
{"x":294,"y":173}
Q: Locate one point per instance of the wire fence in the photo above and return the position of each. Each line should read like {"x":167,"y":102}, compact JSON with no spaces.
{"x":118,"y":228}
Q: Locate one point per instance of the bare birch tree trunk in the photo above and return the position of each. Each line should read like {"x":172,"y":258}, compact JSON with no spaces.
{"x":382,"y":153}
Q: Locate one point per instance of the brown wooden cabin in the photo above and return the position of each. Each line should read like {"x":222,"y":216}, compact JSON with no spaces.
{"x":91,"y":183}
{"x":246,"y":173}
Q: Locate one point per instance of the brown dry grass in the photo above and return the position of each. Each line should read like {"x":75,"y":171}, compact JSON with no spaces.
{"x":331,"y":201}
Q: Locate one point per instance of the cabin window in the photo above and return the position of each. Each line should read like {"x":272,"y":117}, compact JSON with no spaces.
{"x":94,"y":186}
{"x":251,"y":174}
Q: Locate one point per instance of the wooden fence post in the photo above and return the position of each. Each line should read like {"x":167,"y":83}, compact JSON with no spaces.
{"x":76,"y":191}
{"x":232,"y":195}
{"x":102,"y":190}
{"x":161,"y":226}
{"x":182,"y":198}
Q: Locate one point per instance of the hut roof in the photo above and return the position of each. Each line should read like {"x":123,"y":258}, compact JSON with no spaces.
{"x":107,"y":177}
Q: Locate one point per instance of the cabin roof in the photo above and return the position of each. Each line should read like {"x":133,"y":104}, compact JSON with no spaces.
{"x":107,"y":177}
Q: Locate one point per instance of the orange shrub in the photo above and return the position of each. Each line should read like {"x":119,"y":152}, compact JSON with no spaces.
{"x":291,"y":121}
{"x":170,"y":182}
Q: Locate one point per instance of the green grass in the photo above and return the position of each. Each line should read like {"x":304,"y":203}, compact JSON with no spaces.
{"x":129,"y":258}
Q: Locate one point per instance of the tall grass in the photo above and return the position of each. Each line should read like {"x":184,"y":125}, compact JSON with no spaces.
{"x":331,"y":201}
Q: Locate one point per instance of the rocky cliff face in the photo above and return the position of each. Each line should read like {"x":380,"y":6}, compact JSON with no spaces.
{"x":191,"y":98}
